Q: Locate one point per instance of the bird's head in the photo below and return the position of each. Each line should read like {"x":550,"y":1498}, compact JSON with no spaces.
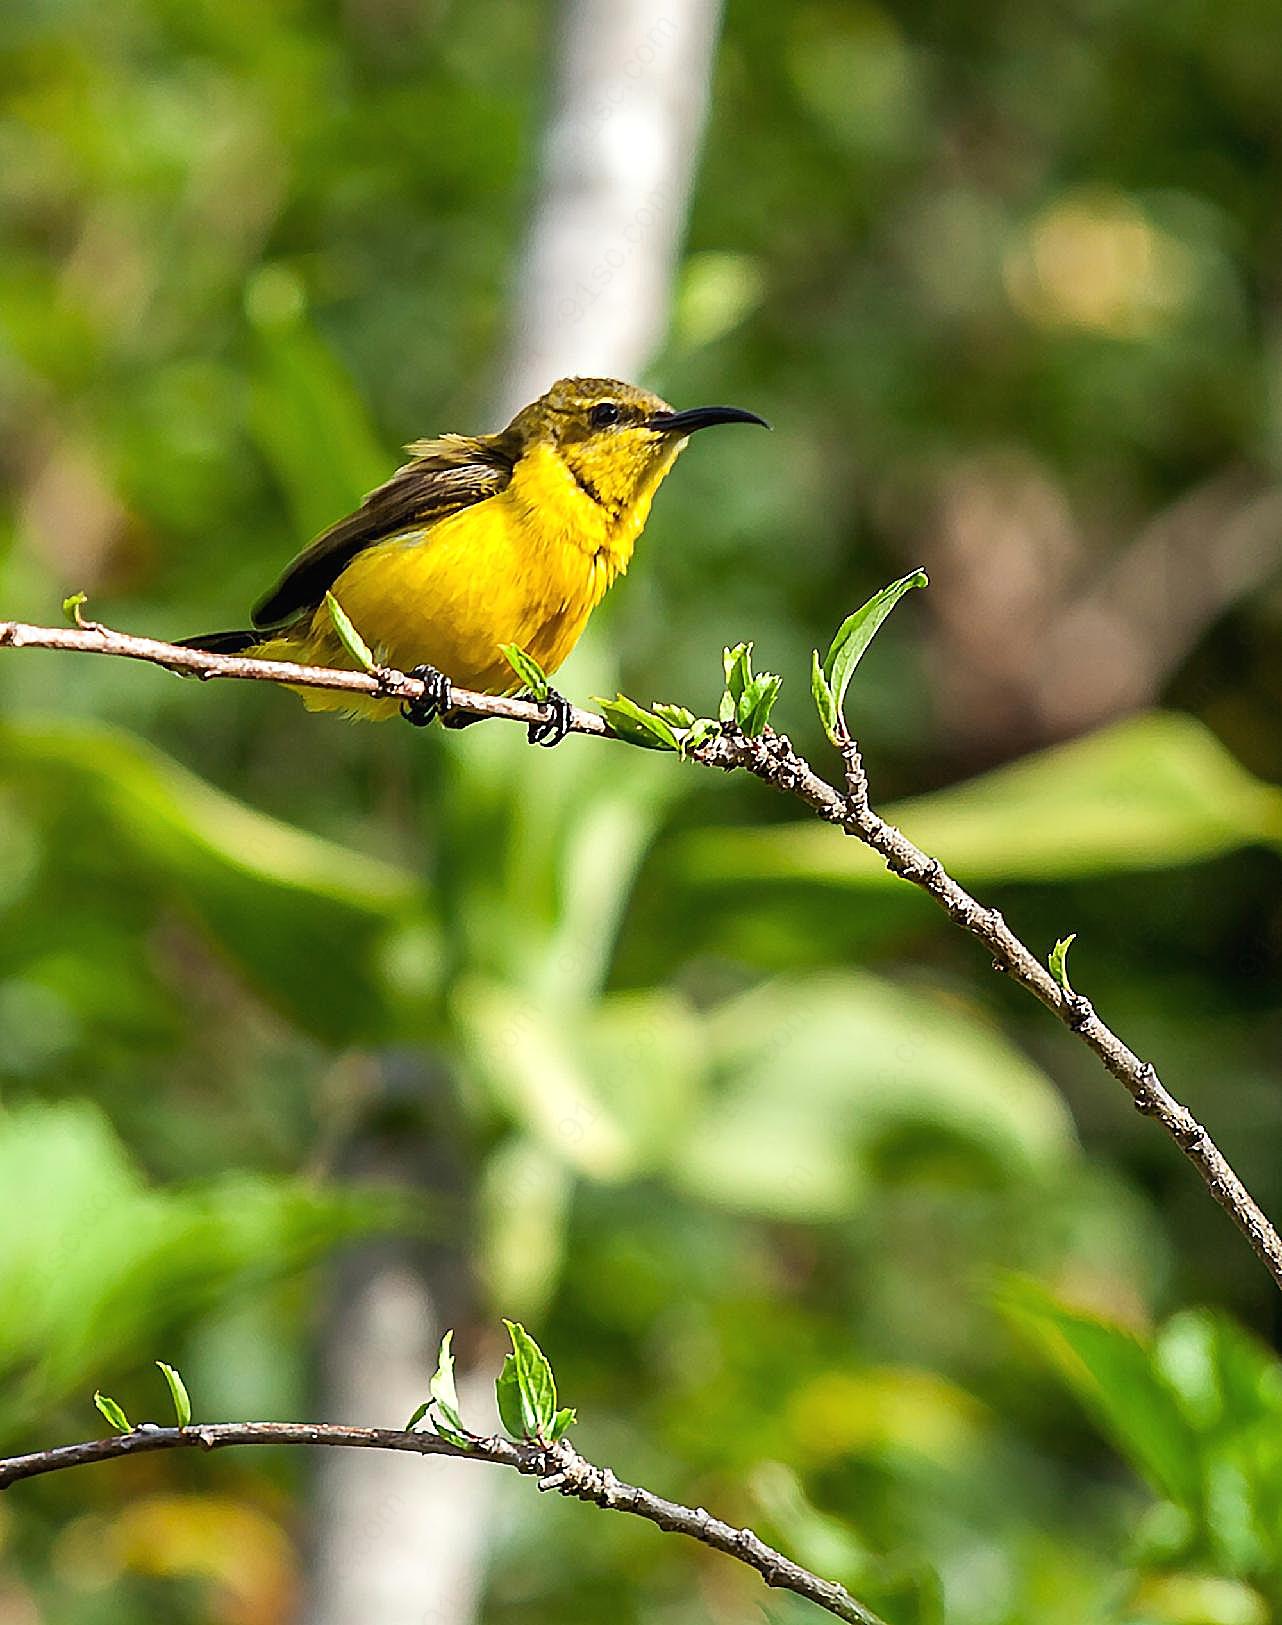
{"x":618,"y":441}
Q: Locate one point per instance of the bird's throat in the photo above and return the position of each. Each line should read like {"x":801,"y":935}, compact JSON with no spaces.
{"x":598,"y":511}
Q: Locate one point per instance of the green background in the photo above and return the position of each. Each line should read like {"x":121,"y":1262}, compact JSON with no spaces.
{"x":822,"y":1224}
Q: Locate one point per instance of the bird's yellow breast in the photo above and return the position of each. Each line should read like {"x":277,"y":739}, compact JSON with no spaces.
{"x":526,"y":566}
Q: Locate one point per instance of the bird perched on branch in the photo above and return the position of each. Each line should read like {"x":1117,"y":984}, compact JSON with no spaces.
{"x":481,"y":540}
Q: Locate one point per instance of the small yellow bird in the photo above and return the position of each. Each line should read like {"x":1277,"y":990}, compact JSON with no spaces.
{"x":482,"y":540}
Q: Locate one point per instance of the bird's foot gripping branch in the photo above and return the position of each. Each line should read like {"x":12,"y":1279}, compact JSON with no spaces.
{"x":534,"y":1444}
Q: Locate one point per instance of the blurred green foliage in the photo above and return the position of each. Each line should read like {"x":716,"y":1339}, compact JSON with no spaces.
{"x":1195,"y":1409}
{"x":97,"y":1264}
{"x":744,"y":1132}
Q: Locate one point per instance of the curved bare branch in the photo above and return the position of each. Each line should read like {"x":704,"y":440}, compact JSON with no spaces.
{"x":558,"y":1467}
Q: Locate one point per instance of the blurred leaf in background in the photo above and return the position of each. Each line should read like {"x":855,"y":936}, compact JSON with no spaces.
{"x":1195,"y":1409}
{"x":102,"y":1263}
{"x":304,"y":918}
{"x":1152,"y":792}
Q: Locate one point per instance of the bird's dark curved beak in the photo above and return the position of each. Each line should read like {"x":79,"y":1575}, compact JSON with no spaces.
{"x":701,"y":417}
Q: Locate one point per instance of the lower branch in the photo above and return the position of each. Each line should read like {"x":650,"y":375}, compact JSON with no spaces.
{"x":557,"y":1467}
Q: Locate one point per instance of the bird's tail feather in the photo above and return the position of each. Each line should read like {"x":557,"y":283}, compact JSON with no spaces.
{"x":280,"y":645}
{"x":222,"y":643}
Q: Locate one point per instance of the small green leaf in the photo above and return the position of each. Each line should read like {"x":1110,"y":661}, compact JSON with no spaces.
{"x":463,"y":1440}
{"x":737,"y":663}
{"x":527,"y":669}
{"x":71,"y":607}
{"x":526,"y":1388}
{"x":637,"y":725}
{"x":444,"y":1394}
{"x":348,"y":636}
{"x":857,"y":631}
{"x":757,"y":701}
{"x":698,"y":733}
{"x":443,"y":1401}
{"x":1059,"y":961}
{"x":675,"y":715}
{"x":738,"y":668}
{"x":825,"y":704}
{"x":177,"y":1392}
{"x":1111,"y":1370}
{"x":562,"y":1422}
{"x":507,"y":1391}
{"x":114,"y":1414}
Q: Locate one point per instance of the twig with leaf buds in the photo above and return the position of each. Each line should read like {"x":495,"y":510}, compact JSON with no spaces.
{"x":527,"y":1402}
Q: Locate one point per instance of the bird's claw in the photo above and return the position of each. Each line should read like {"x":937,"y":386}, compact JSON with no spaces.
{"x":437,"y":697}
{"x":554,"y":730}
{"x":437,"y":700}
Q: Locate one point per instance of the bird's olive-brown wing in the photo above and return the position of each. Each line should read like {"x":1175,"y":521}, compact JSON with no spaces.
{"x":449,"y":475}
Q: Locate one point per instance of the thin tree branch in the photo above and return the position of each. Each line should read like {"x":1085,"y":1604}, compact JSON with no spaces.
{"x":387,"y":684}
{"x":772,"y":759}
{"x":558,"y":1467}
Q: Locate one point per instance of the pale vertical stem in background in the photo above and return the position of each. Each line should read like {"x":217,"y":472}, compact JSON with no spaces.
{"x":404,"y":1542}
{"x":402,"y":1547}
{"x":594,"y":285}
{"x":400,"y":1542}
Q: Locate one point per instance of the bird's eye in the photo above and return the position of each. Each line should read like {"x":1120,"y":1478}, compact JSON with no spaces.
{"x":603,"y":414}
